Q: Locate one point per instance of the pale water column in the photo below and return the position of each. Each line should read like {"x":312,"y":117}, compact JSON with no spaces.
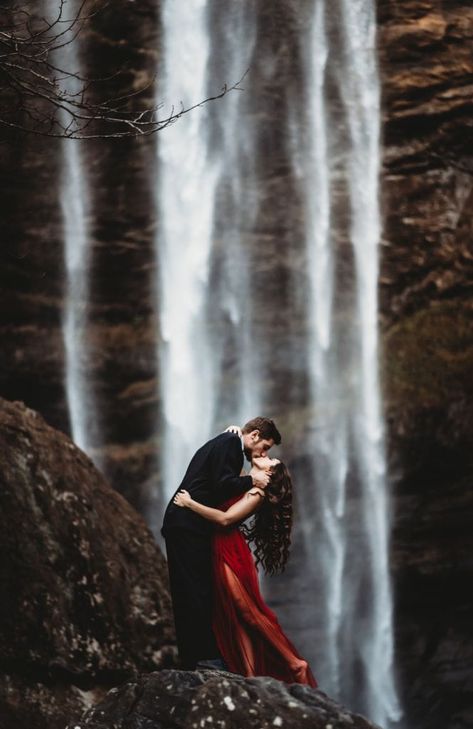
{"x":75,"y":208}
{"x":360,"y":91}
{"x":75,"y":205}
{"x":201,"y":274}
{"x":348,"y":549}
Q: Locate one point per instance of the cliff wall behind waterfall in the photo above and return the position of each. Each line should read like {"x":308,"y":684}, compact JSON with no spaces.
{"x":119,"y":348}
{"x":425,"y":288}
{"x":427,"y":316}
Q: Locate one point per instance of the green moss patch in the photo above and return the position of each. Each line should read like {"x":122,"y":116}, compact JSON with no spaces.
{"x":428,"y":357}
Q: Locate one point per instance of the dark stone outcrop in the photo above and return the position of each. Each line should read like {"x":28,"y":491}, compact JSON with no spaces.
{"x":84,"y":591}
{"x":429,"y":358}
{"x":427,"y":74}
{"x":427,"y":310}
{"x":181,"y":700}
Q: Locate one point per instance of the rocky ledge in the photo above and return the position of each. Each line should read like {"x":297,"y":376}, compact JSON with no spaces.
{"x":215,"y":699}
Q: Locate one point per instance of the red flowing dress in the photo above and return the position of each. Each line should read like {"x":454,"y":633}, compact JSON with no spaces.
{"x":248,"y":634}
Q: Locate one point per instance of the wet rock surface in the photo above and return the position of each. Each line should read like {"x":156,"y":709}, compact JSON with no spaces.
{"x":182,"y":699}
{"x":427,"y":309}
{"x":85,"y":600}
{"x":427,"y":74}
{"x":429,"y":405}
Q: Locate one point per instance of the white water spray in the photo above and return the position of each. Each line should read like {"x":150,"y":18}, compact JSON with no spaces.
{"x":75,"y":207}
{"x":74,"y":203}
{"x":344,"y":373}
{"x":361,"y":97}
{"x":193,"y":170}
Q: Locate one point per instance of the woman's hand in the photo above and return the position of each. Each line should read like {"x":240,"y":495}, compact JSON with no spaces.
{"x":233,"y":429}
{"x":183,"y":498}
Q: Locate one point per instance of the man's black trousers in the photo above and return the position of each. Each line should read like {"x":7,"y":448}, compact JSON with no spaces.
{"x":190,"y":575}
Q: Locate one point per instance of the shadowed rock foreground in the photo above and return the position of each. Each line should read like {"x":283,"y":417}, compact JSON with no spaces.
{"x":183,"y":699}
{"x":85,"y":602}
{"x":85,"y":607}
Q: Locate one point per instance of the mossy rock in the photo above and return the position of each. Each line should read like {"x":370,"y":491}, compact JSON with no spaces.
{"x":428,"y":358}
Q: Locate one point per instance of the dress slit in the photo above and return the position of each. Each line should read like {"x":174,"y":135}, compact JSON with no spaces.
{"x":248,"y":634}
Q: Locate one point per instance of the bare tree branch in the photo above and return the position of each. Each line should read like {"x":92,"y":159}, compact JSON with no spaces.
{"x":43,"y":98}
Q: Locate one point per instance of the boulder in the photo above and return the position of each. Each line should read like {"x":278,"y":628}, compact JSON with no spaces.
{"x":184,"y":699}
{"x":85,"y":599}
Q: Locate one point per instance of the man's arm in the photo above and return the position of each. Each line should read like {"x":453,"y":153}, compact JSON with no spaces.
{"x":226,"y":465}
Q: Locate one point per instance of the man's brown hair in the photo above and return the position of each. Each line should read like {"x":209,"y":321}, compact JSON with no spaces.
{"x":267,"y":429}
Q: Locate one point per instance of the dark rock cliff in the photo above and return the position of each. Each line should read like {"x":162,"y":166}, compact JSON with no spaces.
{"x":119,"y":354}
{"x":84,"y":590}
{"x":427,"y":308}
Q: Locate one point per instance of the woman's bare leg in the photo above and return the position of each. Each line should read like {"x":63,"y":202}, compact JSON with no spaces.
{"x":258,"y":620}
{"x":247,"y":652}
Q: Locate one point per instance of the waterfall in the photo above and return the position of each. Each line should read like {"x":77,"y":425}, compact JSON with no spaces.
{"x":211,"y":350}
{"x":201,"y":273}
{"x":330,"y":443}
{"x":347,"y":541}
{"x":75,"y":206}
{"x":361,"y":97}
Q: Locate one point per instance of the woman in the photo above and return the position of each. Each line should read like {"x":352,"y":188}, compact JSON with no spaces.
{"x":248,"y":634}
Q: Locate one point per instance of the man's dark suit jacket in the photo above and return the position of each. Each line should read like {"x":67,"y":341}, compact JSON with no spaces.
{"x":213,"y":476}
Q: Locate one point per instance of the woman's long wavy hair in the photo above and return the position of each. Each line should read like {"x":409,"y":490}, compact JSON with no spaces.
{"x":270,"y":528}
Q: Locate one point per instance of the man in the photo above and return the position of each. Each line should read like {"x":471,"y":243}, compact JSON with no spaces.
{"x":212,"y":477}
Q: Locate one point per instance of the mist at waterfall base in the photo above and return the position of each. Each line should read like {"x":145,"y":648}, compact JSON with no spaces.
{"x":238,"y":337}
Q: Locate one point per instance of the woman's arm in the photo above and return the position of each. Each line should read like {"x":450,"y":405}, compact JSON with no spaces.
{"x":237,"y":512}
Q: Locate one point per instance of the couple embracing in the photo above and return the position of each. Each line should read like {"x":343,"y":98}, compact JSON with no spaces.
{"x":220,"y":616}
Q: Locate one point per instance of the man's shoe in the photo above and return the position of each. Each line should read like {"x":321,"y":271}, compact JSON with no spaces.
{"x":217,"y":664}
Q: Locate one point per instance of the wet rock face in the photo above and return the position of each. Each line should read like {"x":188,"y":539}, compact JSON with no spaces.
{"x":427,"y":71}
{"x":429,"y":356}
{"x":427,"y":309}
{"x":119,"y":354}
{"x":84,"y":590}
{"x":180,"y":699}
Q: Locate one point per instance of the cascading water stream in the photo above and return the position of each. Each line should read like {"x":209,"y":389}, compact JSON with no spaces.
{"x":74,"y":203}
{"x":74,"y":200}
{"x":210,"y":372}
{"x":231,"y":139}
{"x":186,"y":191}
{"x":194,"y":159}
{"x":352,"y":566}
{"x":330,"y":443}
{"x":361,"y":96}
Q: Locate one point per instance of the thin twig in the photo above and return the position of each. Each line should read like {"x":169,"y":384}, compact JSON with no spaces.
{"x":39,"y":101}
